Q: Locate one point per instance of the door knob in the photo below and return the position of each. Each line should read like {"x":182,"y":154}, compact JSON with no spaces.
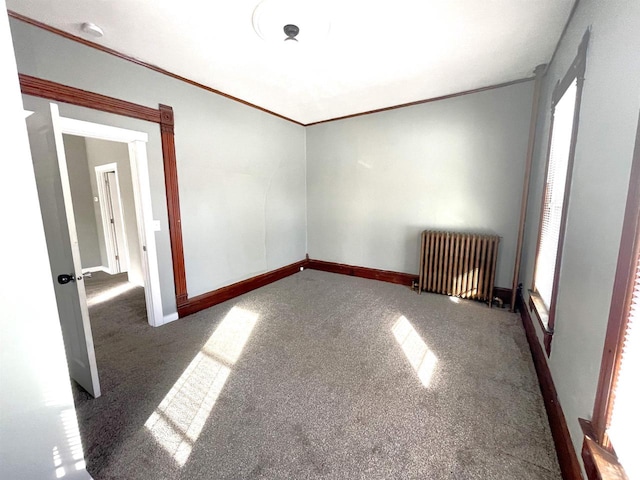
{"x":65,"y":278}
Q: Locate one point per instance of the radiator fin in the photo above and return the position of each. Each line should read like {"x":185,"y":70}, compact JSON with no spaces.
{"x":458,"y":264}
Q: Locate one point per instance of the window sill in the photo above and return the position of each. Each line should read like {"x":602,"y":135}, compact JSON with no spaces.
{"x":536,"y":305}
{"x":599,"y":463}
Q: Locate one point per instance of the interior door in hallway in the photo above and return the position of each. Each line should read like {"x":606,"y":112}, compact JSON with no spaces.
{"x":113,"y":207}
{"x":54,"y":191}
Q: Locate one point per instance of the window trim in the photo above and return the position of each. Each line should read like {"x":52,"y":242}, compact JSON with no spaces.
{"x":575,"y":72}
{"x":616,"y":326}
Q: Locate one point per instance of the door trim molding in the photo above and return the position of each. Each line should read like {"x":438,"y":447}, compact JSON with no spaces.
{"x":163,"y":116}
{"x":137,"y":158}
{"x":39,"y":87}
{"x":71,"y":126}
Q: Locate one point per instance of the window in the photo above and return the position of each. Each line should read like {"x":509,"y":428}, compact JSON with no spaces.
{"x":562,"y":139}
{"x":625,"y":414}
{"x":554,"y":193}
{"x":611,"y":437}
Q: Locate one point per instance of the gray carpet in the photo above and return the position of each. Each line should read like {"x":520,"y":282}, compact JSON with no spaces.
{"x":340,"y":378}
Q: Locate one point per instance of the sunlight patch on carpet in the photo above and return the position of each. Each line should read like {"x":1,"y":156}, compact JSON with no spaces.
{"x":110,"y":294}
{"x":70,"y":456}
{"x":420,"y":357}
{"x":177,"y":422}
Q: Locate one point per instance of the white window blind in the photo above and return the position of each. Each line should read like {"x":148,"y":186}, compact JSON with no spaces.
{"x":625,"y":418}
{"x":557,"y":170}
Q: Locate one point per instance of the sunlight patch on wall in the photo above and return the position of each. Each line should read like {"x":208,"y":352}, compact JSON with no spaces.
{"x":420,"y":357}
{"x":179,"y":419}
{"x":110,"y":294}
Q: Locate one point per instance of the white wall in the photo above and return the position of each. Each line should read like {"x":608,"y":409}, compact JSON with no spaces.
{"x":241,"y":171}
{"x":102,"y":152}
{"x":604,"y":149}
{"x":375,"y":182}
{"x":83,"y":205}
{"x":37,"y":414}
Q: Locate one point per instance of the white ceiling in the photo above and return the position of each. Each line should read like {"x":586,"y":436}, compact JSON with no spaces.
{"x":378,"y":53}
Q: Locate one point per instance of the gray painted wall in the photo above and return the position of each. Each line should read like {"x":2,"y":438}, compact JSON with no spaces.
{"x":102,"y":152}
{"x":241,"y":172}
{"x":604,"y":149}
{"x":375,"y":182}
{"x":83,"y":205}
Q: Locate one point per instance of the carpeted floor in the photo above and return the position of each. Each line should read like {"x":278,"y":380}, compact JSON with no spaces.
{"x":316,"y":376}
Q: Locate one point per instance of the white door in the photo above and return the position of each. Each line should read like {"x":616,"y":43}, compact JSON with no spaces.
{"x":116,"y":221}
{"x":54,"y":192}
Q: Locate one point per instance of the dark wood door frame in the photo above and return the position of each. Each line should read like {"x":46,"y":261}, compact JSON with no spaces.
{"x":163,"y":116}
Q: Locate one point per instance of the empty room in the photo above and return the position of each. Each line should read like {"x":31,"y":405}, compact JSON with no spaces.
{"x":302,"y":239}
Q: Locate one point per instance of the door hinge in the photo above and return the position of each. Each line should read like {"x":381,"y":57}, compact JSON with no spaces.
{"x":144,"y":248}
{"x":111,"y":220}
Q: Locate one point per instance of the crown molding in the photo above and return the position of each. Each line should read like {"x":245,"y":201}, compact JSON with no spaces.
{"x":427,"y":100}
{"x":137,"y":61}
{"x":110,"y":51}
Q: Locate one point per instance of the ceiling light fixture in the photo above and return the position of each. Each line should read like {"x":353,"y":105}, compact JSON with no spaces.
{"x":291,"y":31}
{"x":303,"y":22}
{"x":92,"y":29}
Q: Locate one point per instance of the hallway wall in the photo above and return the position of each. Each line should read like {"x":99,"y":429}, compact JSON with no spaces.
{"x":89,"y":237}
{"x":102,"y":152}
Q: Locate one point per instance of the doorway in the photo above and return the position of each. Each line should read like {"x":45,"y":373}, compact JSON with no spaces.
{"x":102,"y":191}
{"x":46,"y":129}
{"x":130,"y":205}
{"x":113,"y":225}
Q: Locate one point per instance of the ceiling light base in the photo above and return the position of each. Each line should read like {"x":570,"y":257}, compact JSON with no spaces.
{"x":92,"y":29}
{"x":306,"y":22}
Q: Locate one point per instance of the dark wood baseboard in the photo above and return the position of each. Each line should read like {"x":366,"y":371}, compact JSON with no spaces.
{"x":363,"y":272}
{"x":503,"y":294}
{"x":400,"y":278}
{"x":223,"y":294}
{"x":567,"y":457}
{"x":209,"y":299}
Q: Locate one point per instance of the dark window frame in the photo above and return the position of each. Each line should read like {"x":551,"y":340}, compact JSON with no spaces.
{"x":597,"y":451}
{"x":546,"y":314}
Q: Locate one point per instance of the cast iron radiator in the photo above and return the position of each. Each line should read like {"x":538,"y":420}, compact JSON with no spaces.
{"x":458,"y":264}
